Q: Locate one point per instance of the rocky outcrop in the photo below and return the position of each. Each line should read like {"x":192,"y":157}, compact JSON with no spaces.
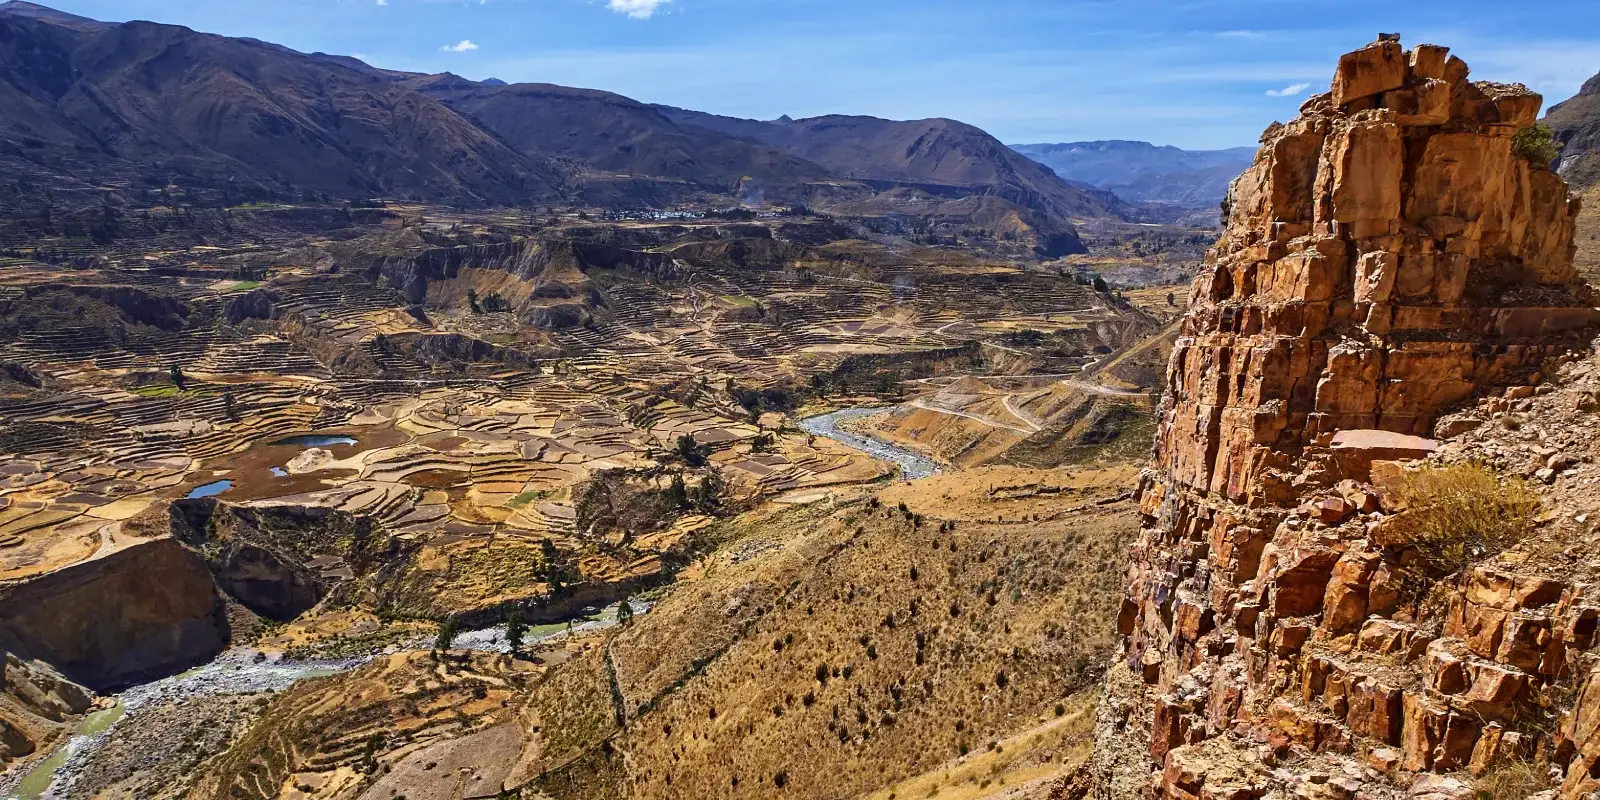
{"x":37,"y":706}
{"x":146,"y":610}
{"x":1387,"y":257}
{"x":254,"y":304}
{"x":279,"y":560}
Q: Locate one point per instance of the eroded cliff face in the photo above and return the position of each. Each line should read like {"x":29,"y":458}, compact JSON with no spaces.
{"x":1387,"y":257}
{"x":146,"y":610}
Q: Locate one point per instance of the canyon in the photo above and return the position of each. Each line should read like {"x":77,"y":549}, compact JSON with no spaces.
{"x":427,"y":438}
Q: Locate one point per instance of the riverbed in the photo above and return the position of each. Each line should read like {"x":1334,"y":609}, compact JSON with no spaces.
{"x":245,"y":671}
{"x":913,"y":465}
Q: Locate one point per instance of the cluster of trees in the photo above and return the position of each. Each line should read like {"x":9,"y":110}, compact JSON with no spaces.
{"x":1092,"y":279}
{"x":492,"y":303}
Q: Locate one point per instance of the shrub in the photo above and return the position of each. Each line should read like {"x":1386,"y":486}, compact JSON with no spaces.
{"x":1537,"y":144}
{"x":1458,"y":515}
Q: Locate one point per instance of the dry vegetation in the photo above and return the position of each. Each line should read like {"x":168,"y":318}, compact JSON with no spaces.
{"x":1588,"y":237}
{"x":875,"y":647}
{"x":861,"y":647}
{"x":1456,"y":516}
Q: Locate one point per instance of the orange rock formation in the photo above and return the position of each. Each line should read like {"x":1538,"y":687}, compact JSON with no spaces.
{"x":1387,"y":256}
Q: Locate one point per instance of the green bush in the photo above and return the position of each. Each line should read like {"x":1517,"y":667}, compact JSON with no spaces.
{"x":1537,"y":144}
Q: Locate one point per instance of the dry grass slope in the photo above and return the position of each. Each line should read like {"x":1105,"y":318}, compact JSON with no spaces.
{"x":866,"y":650}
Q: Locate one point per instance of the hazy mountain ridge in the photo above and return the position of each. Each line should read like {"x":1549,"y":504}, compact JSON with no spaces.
{"x":613,"y":133}
{"x":927,"y":153}
{"x":140,"y":100}
{"x":1144,"y":172}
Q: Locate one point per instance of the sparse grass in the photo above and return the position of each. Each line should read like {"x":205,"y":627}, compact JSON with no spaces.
{"x":1513,"y":780}
{"x":244,"y":286}
{"x":824,"y":660}
{"x":526,"y":499}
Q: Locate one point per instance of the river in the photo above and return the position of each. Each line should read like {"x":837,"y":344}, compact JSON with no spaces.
{"x":913,"y":465}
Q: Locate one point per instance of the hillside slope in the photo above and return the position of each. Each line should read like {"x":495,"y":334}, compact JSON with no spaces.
{"x":819,"y":653}
{"x":1576,"y":124}
{"x":143,"y":101}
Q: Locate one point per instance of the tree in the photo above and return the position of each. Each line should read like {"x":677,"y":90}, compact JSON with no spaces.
{"x":515,"y":630}
{"x":447,"y":635}
{"x":230,"y":408}
{"x":691,"y":451}
{"x":1100,"y":284}
{"x":819,"y":385}
{"x":678,"y":492}
{"x":707,"y":494}
{"x":1172,"y":299}
{"x":177,"y":377}
{"x":624,"y":612}
{"x":472,"y":301}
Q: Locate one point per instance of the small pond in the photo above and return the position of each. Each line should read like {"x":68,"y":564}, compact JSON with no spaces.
{"x":314,"y":440}
{"x":211,"y":489}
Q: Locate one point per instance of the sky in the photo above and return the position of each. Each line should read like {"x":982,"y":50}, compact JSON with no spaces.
{"x":1192,"y":73}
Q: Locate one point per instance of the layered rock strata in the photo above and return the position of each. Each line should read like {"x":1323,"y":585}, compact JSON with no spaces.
{"x":1388,"y":256}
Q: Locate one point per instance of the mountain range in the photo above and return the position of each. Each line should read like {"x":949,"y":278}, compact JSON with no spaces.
{"x":1144,"y":172}
{"x":86,"y":104}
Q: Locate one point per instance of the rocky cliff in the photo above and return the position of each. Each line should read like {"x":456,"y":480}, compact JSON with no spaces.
{"x":1387,"y":258}
{"x":140,"y":612}
{"x":37,"y":707}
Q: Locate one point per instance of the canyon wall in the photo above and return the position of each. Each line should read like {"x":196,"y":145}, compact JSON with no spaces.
{"x":1388,"y":256}
{"x":141,"y":612}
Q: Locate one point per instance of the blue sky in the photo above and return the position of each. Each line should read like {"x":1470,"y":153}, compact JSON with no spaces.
{"x":1192,"y":73}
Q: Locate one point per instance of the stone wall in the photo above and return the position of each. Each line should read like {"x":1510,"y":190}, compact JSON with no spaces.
{"x":1387,"y":257}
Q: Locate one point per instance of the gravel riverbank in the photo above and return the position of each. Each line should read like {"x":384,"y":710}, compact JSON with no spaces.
{"x":913,"y":465}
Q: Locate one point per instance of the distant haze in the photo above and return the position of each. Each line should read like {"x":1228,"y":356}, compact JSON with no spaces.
{"x":1143,"y":172}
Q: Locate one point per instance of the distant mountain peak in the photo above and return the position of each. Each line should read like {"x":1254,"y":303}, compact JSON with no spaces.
{"x":493,"y":82}
{"x":22,"y":8}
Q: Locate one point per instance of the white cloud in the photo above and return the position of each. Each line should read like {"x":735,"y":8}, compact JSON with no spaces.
{"x":383,"y":2}
{"x":462,"y":46}
{"x":1291,"y":90}
{"x":638,"y":9}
